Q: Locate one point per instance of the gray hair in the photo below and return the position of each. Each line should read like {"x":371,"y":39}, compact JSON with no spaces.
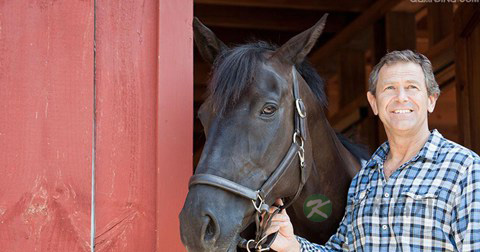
{"x":406,"y":56}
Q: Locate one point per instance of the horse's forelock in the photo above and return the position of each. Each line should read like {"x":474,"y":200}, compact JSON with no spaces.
{"x":233,"y":72}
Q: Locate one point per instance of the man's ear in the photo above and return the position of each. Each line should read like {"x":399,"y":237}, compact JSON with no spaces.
{"x":373,"y":102}
{"x":432,"y":101}
{"x":207,"y":43}
{"x":296,"y":49}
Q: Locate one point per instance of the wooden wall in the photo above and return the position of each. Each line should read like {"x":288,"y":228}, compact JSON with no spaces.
{"x":102,"y":87}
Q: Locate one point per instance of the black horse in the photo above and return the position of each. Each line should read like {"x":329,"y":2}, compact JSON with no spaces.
{"x":254,"y":119}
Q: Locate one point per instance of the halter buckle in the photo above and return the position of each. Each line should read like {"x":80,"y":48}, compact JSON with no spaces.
{"x":301,"y":156}
{"x":296,"y":136}
{"x":300,"y":108}
{"x":301,"y":150}
{"x":259,"y":206}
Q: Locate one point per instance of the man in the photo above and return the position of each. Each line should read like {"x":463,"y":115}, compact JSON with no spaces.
{"x":419,"y":191}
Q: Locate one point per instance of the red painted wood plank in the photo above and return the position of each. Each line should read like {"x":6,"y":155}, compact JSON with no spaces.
{"x":126,"y":84}
{"x":46,"y":97}
{"x":175,"y":119}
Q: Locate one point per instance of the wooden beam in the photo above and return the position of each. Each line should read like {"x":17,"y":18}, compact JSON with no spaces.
{"x":368,"y":17}
{"x":338,"y":5}
{"x":409,"y":6}
{"x":349,"y":114}
{"x":442,"y":53}
{"x":263,"y":19}
{"x":235,"y":36}
{"x":440,"y":46}
{"x":446,"y":76}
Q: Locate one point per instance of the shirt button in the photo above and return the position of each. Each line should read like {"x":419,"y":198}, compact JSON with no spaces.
{"x":386,"y":195}
{"x":384,"y":227}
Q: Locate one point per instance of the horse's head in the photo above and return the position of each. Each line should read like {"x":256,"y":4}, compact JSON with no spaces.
{"x":249,"y":119}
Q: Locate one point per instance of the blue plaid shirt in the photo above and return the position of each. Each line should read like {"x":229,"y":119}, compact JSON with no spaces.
{"x":431,"y":202}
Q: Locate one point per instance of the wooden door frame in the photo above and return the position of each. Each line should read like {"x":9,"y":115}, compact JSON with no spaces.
{"x":467,"y":17}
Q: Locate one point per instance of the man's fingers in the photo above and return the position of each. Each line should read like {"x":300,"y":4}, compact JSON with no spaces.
{"x":273,"y":228}
{"x":281,"y":217}
{"x":278,"y":202}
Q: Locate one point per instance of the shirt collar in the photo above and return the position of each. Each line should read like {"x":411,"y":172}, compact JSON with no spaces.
{"x":429,"y":150}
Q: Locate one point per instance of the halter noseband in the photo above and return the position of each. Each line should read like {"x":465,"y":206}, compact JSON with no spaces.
{"x":258,"y":196}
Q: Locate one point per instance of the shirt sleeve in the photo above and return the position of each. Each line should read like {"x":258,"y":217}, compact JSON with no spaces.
{"x":338,"y":241}
{"x":466,"y":212}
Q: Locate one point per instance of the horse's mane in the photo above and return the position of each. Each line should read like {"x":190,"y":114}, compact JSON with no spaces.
{"x":233,"y":72}
{"x":359,"y":151}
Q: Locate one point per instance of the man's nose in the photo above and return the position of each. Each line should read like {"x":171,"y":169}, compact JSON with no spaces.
{"x":402,"y":95}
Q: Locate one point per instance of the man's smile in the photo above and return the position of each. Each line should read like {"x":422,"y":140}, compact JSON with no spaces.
{"x":402,"y":111}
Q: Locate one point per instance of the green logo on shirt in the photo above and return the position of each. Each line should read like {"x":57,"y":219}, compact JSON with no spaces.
{"x":317,"y":208}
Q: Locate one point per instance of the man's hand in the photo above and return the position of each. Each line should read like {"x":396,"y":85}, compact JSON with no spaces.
{"x":285,"y":240}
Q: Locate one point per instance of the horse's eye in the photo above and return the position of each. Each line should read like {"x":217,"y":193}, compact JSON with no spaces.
{"x":269,"y":110}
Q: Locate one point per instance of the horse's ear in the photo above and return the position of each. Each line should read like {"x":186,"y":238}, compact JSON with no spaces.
{"x":296,"y":49}
{"x":207,"y":43}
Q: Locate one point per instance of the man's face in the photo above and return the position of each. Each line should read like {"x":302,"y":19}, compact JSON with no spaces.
{"x":401,"y":100}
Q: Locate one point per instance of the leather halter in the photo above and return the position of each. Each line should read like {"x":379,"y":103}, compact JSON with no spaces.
{"x":258,"y":196}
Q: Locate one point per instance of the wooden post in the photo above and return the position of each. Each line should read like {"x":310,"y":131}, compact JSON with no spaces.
{"x":439,"y":19}
{"x":174,"y":118}
{"x":400,"y":31}
{"x":467,"y":62}
{"x":352,"y":75}
{"x":126,"y":118}
{"x":144,"y":103}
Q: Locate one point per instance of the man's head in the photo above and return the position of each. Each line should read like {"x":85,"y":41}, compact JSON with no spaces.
{"x":402,"y":91}
{"x":404,"y":57}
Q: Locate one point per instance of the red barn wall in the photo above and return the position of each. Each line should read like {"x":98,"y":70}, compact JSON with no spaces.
{"x":175,"y":118}
{"x":130,"y":98}
{"x":46,"y":97}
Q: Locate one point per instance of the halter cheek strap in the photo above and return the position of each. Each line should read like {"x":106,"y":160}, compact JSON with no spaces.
{"x":258,"y":197}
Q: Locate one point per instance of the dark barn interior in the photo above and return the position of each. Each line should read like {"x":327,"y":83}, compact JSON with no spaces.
{"x":357,"y":34}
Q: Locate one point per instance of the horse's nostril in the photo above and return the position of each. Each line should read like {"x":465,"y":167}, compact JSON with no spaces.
{"x":210,"y":230}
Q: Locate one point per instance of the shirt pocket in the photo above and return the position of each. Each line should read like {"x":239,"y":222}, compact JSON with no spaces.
{"x":416,"y":203}
{"x":421,"y":216}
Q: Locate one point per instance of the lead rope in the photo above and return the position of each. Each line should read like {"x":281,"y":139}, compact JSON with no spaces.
{"x":260,"y":233}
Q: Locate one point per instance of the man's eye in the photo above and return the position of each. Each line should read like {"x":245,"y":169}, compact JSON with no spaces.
{"x":413,"y":87}
{"x":269,"y":110}
{"x":389,"y":87}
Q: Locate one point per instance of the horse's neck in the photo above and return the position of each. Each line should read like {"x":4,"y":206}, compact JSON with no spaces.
{"x":332,"y":171}
{"x":329,"y":154}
